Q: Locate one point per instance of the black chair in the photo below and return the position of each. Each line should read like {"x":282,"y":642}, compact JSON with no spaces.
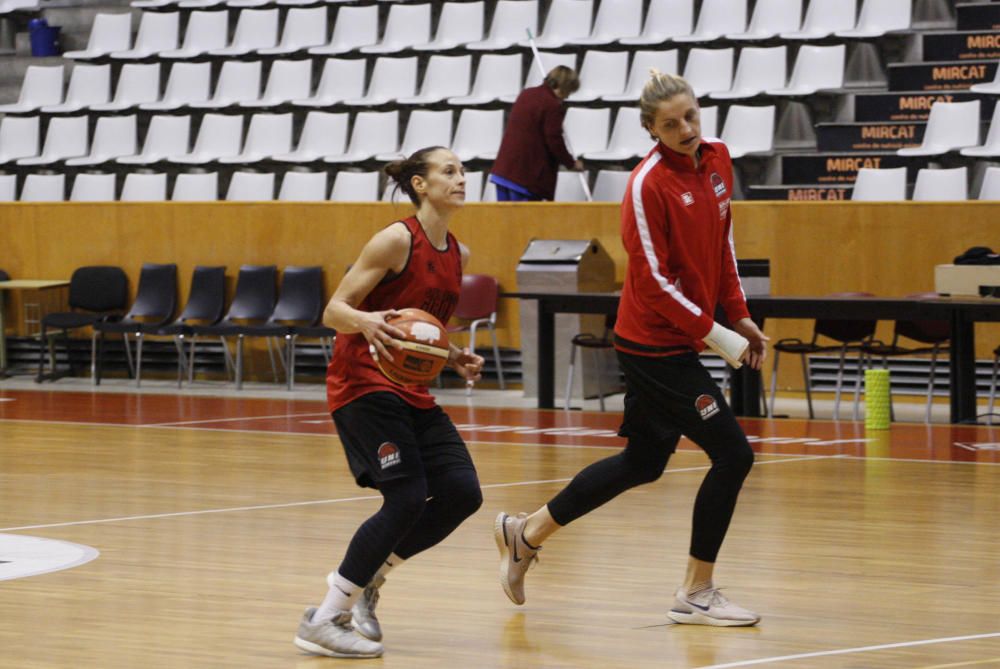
{"x":205,"y":304}
{"x":993,"y":382}
{"x":253,"y":303}
{"x":934,"y":335}
{"x":155,"y":303}
{"x":96,"y":293}
{"x":300,"y":306}
{"x":850,"y":335}
{"x":4,"y":276}
{"x":592,"y":342}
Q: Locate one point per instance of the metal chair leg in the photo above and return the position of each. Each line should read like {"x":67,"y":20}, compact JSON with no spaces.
{"x":774,"y":382}
{"x":930,"y":385}
{"x":840,"y":383}
{"x":993,"y":386}
{"x":290,"y":364}
{"x":569,"y":375}
{"x":181,"y":360}
{"x":496,"y":356}
{"x":95,"y":367}
{"x":808,"y":383}
{"x":138,"y":359}
{"x":239,"y":362}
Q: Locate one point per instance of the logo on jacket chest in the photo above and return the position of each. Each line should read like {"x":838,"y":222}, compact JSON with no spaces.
{"x":687,"y":198}
{"x":718,"y":185}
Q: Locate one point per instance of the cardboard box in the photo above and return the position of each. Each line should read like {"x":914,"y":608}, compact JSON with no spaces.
{"x":967,"y":280}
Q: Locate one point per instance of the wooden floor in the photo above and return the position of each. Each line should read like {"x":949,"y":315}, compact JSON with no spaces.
{"x":217,"y":520}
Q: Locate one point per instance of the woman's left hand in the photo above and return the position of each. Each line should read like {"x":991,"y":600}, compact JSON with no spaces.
{"x":757,"y":352}
{"x":468,"y":365}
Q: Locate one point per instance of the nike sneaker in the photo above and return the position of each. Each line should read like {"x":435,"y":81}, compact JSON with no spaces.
{"x":710,"y":607}
{"x":516,"y":555}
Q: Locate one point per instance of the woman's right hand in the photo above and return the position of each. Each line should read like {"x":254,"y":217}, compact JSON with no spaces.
{"x":381,"y":335}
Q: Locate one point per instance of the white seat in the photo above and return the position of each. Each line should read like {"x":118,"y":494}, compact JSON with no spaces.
{"x":602,"y":74}
{"x":88,"y":85}
{"x":569,"y":188}
{"x":342,"y":79}
{"x":42,"y":86}
{"x":717,"y":18}
{"x":205,"y":31}
{"x":758,"y":69}
{"x":196,"y":187}
{"x":709,"y":121}
{"x":948,"y":185}
{"x":879,"y":17}
{"x":251,"y":187}
{"x":288,"y":80}
{"x":473,"y":186}
{"x":200,"y":4}
{"x":610,"y":185}
{"x":392,"y":78}
{"x":137,"y":84}
{"x":510,"y":19}
{"x":642,"y":61}
{"x":880,"y":185}
{"x":114,"y":136}
{"x":566,"y":21}
{"x":66,"y":137}
{"x":824,"y":18}
{"x":239,"y":81}
{"x":478,"y":135}
{"x":44,"y":188}
{"x":255,"y":29}
{"x":304,"y":28}
{"x":992,"y":87}
{"x":218,"y":136}
{"x":616,"y":19}
{"x":534,"y":76}
{"x":158,"y":31}
{"x":990,"y":190}
{"x":587,"y":128}
{"x":355,"y":187}
{"x":188,"y":83}
{"x":323,"y":134}
{"x":303,"y":187}
{"x":93,"y":188}
{"x":390,"y":193}
{"x":665,"y":20}
{"x":18,"y":138}
{"x":459,"y":24}
{"x":950,"y":126}
{"x":9,"y":6}
{"x":144,"y":187}
{"x":152,"y":4}
{"x":373,"y":132}
{"x":709,"y":70}
{"x":8,"y":187}
{"x":816,"y":68}
{"x":628,"y":138}
{"x":406,"y":26}
{"x":268,"y":135}
{"x":749,"y":130}
{"x":445,"y":77}
{"x":991,"y":147}
{"x":424,"y":128}
{"x":496,"y":76}
{"x":245,"y":4}
{"x":108,"y":33}
{"x":354,"y":28}
{"x":771,"y":18}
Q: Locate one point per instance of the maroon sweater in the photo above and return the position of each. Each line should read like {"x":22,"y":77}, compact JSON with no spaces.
{"x":533,"y":146}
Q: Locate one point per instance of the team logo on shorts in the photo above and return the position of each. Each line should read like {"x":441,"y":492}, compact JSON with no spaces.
{"x":706,"y":406}
{"x":388,"y":455}
{"x":718,"y":185}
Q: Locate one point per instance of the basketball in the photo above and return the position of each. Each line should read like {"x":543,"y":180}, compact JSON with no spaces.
{"x":425,"y":350}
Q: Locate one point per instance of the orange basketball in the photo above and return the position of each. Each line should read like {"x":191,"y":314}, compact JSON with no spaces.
{"x":425,"y":349}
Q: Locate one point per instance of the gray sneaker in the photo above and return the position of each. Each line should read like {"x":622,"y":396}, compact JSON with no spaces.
{"x":334,"y":637}
{"x":515,"y":554}
{"x":710,"y":607}
{"x":363,"y":611}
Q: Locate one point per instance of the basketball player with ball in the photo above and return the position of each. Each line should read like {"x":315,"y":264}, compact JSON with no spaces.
{"x":388,"y":312}
{"x":676,"y":228}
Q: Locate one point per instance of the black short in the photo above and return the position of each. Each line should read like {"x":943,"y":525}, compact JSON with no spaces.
{"x":385,"y":438}
{"x":673,"y":395}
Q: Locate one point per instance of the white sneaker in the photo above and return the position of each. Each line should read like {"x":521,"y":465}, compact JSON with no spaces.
{"x":334,"y":637}
{"x":516,"y":555}
{"x":363,"y":611}
{"x":710,"y":607}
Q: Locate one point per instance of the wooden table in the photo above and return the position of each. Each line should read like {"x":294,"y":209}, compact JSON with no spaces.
{"x":19,"y":284}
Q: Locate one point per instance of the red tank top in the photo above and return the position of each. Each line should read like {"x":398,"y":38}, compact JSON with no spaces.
{"x":430,"y":281}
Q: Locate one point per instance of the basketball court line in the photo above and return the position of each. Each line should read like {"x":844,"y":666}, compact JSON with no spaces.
{"x":227,"y":420}
{"x":285,"y":505}
{"x":848,"y":651}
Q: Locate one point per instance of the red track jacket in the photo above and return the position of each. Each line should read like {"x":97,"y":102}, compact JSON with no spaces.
{"x":677,"y":231}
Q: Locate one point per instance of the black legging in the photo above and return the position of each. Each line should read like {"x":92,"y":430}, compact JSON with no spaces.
{"x":408,"y":522}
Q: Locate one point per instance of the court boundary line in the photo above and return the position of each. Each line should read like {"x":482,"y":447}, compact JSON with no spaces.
{"x":338,"y":500}
{"x":848,"y":651}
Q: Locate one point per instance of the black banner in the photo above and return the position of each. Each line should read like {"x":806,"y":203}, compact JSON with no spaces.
{"x":912,"y":106}
{"x":837,"y":168}
{"x":802,"y":193}
{"x":979,"y":16}
{"x":940,"y":76}
{"x":869,"y":136}
{"x":977,"y":44}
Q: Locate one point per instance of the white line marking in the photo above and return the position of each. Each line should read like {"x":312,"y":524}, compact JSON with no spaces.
{"x":229,"y":420}
{"x":286,"y":505}
{"x":846,"y":651}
